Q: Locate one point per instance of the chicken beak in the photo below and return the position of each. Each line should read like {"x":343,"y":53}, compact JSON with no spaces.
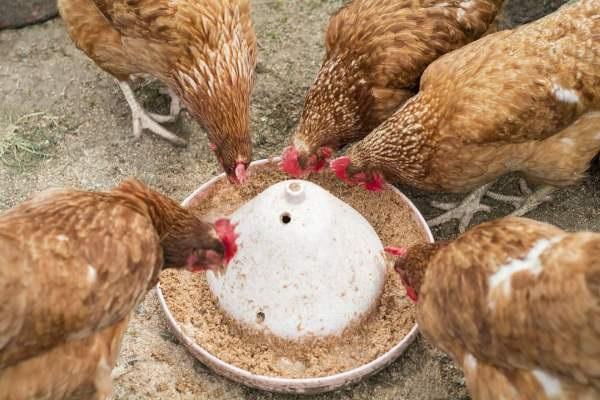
{"x":241,"y":173}
{"x":219,"y":270}
{"x":206,"y":260}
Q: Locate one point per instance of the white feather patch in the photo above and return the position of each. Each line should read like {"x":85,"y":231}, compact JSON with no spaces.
{"x":501,"y":279}
{"x":565,"y":95}
{"x":470,"y":362}
{"x":549,"y":383}
{"x":91,"y":274}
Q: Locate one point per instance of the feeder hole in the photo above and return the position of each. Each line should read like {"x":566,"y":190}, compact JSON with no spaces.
{"x":260,"y":317}
{"x":286,"y":218}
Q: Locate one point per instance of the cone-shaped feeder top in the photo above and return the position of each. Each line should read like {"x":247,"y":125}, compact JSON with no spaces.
{"x":307,"y":265}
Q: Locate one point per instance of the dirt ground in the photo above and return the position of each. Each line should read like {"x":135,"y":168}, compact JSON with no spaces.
{"x":63,"y":122}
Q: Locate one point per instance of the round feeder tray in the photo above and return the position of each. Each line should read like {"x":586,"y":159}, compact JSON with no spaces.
{"x":291,"y":385}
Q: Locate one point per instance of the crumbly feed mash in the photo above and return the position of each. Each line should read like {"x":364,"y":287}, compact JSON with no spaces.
{"x":197,"y":311}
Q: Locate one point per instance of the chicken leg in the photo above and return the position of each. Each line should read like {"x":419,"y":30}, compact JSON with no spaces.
{"x":529,"y":201}
{"x":146,"y":120}
{"x":463,"y":211}
{"x":175,"y":106}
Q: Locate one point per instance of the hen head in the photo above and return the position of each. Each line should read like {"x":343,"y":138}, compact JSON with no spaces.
{"x":299,"y":163}
{"x":412,"y":265}
{"x":200,"y":246}
{"x":234,"y":165}
{"x":343,"y":168}
{"x":216,"y":85}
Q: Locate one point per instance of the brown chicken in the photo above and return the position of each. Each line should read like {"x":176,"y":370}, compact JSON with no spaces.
{"x":204,"y":51}
{"x":75,"y":264}
{"x":376,"y":51}
{"x":524,"y":100}
{"x":516,"y":303}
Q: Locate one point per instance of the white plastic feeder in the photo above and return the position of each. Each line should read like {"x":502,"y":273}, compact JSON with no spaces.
{"x":308,"y":264}
{"x":291,"y":385}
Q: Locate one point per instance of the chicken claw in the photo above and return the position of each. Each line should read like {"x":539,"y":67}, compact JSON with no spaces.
{"x":145,"y":120}
{"x":463,"y":211}
{"x":516,"y":201}
{"x":175,"y":107}
{"x":529,"y":201}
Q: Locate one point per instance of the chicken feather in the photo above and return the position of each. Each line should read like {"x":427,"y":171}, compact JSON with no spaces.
{"x":376,"y":52}
{"x":204,"y":51}
{"x":525,"y":100}
{"x":516,"y":303}
{"x":75,"y":265}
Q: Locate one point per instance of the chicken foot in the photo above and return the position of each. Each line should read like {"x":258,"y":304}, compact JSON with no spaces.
{"x":146,"y":120}
{"x":529,"y":201}
{"x":176,"y":106}
{"x":463,"y":211}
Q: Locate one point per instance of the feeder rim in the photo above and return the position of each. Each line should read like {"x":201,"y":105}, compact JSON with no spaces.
{"x":290,"y":385}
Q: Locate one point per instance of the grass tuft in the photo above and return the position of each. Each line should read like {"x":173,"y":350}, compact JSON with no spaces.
{"x":29,"y":139}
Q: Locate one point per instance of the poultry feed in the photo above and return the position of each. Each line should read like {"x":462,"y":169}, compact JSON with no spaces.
{"x":197,"y":313}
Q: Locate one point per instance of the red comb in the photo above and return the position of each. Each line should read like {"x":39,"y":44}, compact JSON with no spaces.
{"x":339,"y":166}
{"x":289,"y":162}
{"x":226,"y":232}
{"x":395,"y":251}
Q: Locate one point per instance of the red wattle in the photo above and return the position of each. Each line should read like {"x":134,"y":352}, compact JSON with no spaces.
{"x":410,"y":292}
{"x":395,"y":251}
{"x":289,"y":162}
{"x":339,"y":166}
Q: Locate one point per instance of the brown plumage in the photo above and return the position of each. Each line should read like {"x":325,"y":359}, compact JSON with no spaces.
{"x":525,"y":100}
{"x":517,"y":304}
{"x":75,"y":264}
{"x":376,"y":52}
{"x":204,"y":51}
